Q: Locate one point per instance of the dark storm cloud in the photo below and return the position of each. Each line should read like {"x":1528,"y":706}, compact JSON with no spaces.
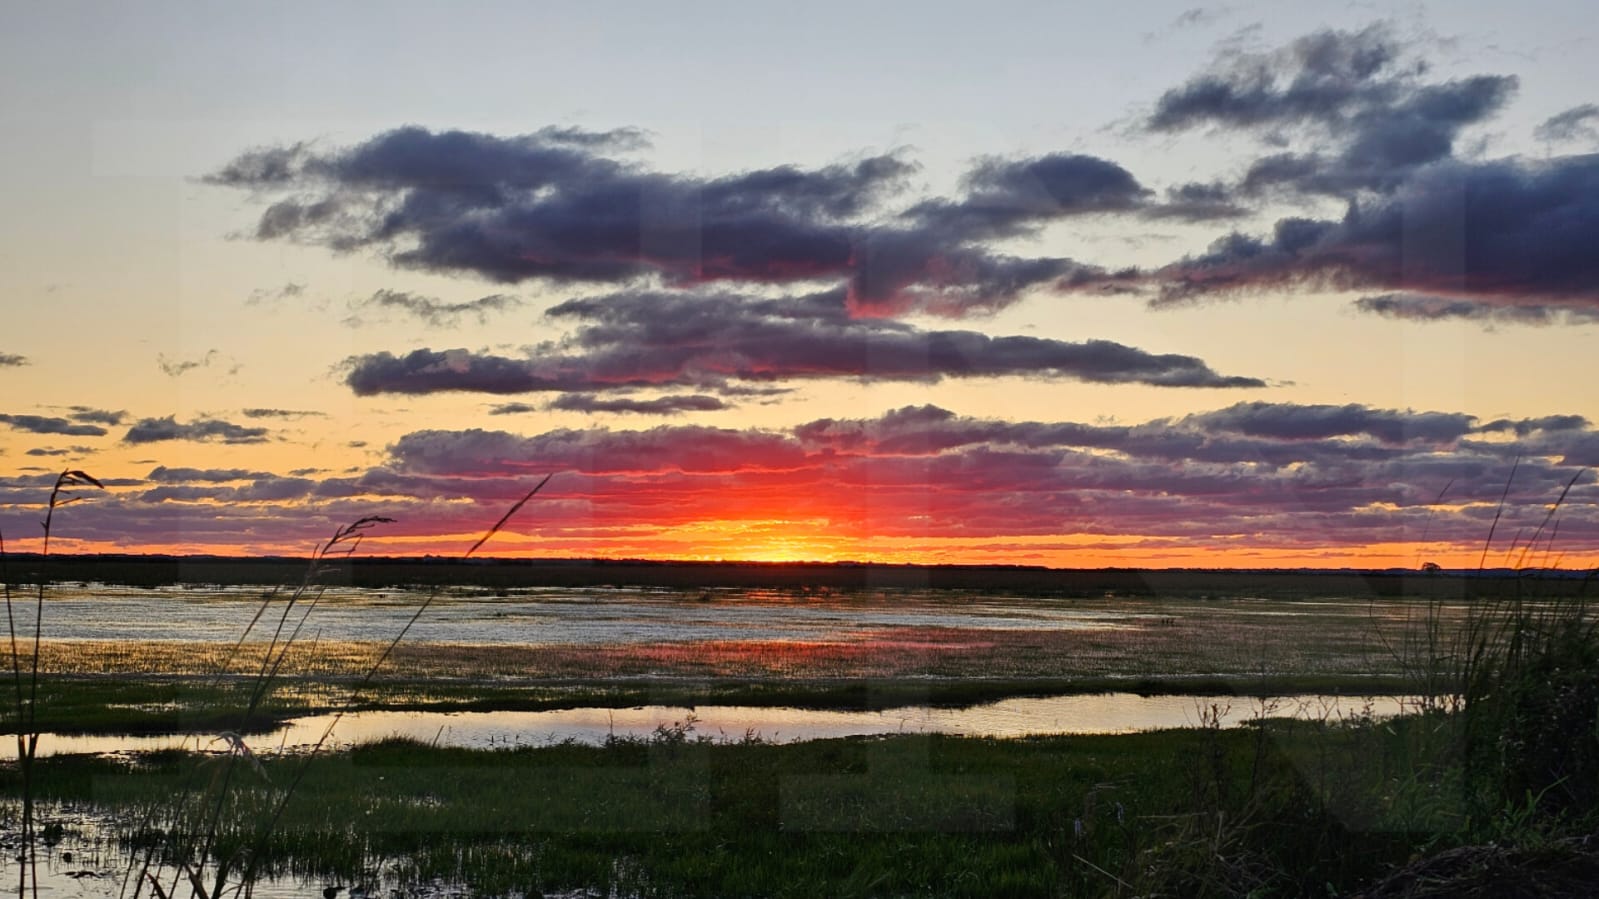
{"x":1576,"y":123}
{"x":1506,"y":232}
{"x":534,"y":207}
{"x":152,"y":430}
{"x":661,"y":405}
{"x":42,"y":424}
{"x":530,"y":206}
{"x":670,"y":339}
{"x":1360,"y":116}
{"x":432,"y":311}
{"x":1358,"y":95}
{"x":12,"y":360}
{"x":1505,"y":241}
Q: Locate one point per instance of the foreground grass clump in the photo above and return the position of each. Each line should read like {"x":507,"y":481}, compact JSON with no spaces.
{"x":1529,"y":727}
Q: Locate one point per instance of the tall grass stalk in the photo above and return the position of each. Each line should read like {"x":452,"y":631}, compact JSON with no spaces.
{"x":198,"y":856}
{"x":27,"y":708}
{"x":305,"y":597}
{"x":252,"y":869}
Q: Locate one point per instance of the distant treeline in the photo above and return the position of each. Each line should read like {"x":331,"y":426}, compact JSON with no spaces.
{"x":381,"y":572}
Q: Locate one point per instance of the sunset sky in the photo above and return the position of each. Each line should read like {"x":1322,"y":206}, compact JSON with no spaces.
{"x":1254,"y":285}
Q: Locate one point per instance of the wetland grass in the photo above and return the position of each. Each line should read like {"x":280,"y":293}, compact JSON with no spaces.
{"x":677,"y":815}
{"x":213,"y":822}
{"x":1279,"y":808}
{"x":27,"y":690}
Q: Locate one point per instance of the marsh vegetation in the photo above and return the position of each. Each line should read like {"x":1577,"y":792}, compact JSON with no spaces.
{"x":1500,"y":748}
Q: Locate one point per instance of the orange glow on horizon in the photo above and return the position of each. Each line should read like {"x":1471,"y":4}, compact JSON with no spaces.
{"x":1051,"y":552}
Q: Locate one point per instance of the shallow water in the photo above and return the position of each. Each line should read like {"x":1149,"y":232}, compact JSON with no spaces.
{"x":1108,"y":713}
{"x":590,"y":616}
{"x":88,"y":863}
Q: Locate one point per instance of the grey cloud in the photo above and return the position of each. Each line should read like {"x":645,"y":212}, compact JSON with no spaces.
{"x":164,"y":475}
{"x":264,"y":295}
{"x":1322,"y":77}
{"x":42,"y":424}
{"x":264,"y":166}
{"x":515,"y":208}
{"x":1304,"y":475}
{"x":436,"y":371}
{"x":152,"y":430}
{"x":514,"y":409}
{"x":583,"y":402}
{"x":679,"y":448}
{"x":57,"y":451}
{"x":1009,"y":197}
{"x":1508,"y":233}
{"x":12,"y":360}
{"x":1191,"y":18}
{"x":1253,"y":474}
{"x":1576,"y":123}
{"x":275,"y":489}
{"x":282,"y":413}
{"x":97,"y":416}
{"x":435,"y":312}
{"x":534,"y":207}
{"x":1417,"y":307}
{"x":1196,"y":202}
{"x":648,"y":339}
{"x":266,"y":488}
{"x":179,"y":367}
{"x":1320,"y":422}
{"x":1526,"y":426}
{"x":1355,"y":91}
{"x":661,"y":405}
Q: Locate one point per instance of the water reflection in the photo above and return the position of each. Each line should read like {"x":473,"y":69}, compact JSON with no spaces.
{"x":1108,"y":713}
{"x":591,"y":616}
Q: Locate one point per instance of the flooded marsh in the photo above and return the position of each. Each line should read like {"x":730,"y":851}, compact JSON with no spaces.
{"x":554,"y":634}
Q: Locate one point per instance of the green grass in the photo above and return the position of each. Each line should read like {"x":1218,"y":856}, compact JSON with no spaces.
{"x":909,"y":815}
